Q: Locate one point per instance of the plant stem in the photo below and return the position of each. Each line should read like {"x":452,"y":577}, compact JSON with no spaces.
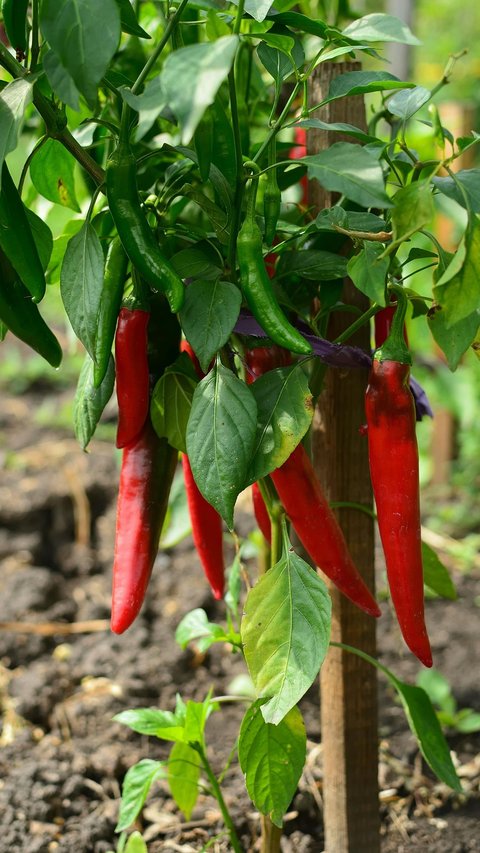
{"x":35,"y":43}
{"x":271,"y":836}
{"x":235,"y":842}
{"x":374,"y":309}
{"x":29,"y":159}
{"x":239,"y":179}
{"x":276,"y":127}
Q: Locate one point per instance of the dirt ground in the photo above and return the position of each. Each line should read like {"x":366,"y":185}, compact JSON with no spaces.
{"x":62,"y":759}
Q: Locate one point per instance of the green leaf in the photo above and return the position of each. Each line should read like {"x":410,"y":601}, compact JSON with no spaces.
{"x":438,"y":689}
{"x":183,"y":777}
{"x":81,"y":283}
{"x":208,"y":316}
{"x":195,"y":627}
{"x":361,"y":82}
{"x":84,"y":48}
{"x":312,"y":264}
{"x":51,"y":171}
{"x":379,"y":27}
{"x":149,"y":105}
{"x":458,"y":289}
{"x":90,"y":402}
{"x":196,"y":716}
{"x":234,"y":585}
{"x":196,"y":263}
{"x":61,"y":81}
{"x":453,"y":339}
{"x":369,"y":272}
{"x":285,"y":412}
{"x":191,"y":78}
{"x":469,"y":179}
{"x":177,"y":523}
{"x":285,"y":632}
{"x":346,"y":168}
{"x":151,"y":721}
{"x":258,"y":9}
{"x":3,"y":331}
{"x":412,"y":209}
{"x":304,"y":23}
{"x":277,"y":63}
{"x":467,"y":721}
{"x":220,"y":438}
{"x":14,"y":100}
{"x":351,"y":219}
{"x":128,"y":20}
{"x":136,"y":844}
{"x":435,"y":574}
{"x":406,"y":103}
{"x":136,"y":785}
{"x":171,"y":402}
{"x":272,"y":759}
{"x":339,"y":127}
{"x":42,"y":236}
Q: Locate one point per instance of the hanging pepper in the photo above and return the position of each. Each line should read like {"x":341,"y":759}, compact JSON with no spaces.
{"x":148,"y":466}
{"x":132,"y":372}
{"x":393,"y":456}
{"x":207,"y":529}
{"x":133,"y":228}
{"x":112,"y":292}
{"x":257,"y":287}
{"x":302,"y":497}
{"x":261,"y":513}
{"x":272,"y":197}
{"x":15,"y":21}
{"x":383,"y":324}
{"x":16,"y":238}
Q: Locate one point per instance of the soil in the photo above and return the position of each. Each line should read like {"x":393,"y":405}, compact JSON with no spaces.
{"x":63,"y":759}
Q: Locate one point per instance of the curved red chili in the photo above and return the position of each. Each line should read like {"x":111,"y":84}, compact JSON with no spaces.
{"x":261,"y":513}
{"x":132,"y":374}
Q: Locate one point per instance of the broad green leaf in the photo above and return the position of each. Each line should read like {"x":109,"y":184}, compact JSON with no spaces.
{"x":272,"y":759}
{"x":458,"y":289}
{"x":278,"y":65}
{"x":151,"y":721}
{"x":196,"y":263}
{"x":258,"y":9}
{"x":42,"y":236}
{"x":208,"y":316}
{"x":351,"y":219}
{"x":136,"y":785}
{"x":379,"y":27}
{"x":89,"y":402}
{"x":304,"y":23}
{"x":51,"y":171}
{"x":285,"y":412}
{"x":369,"y":272}
{"x":220,"y":438}
{"x":312,"y":264}
{"x":338,"y":127}
{"x":171,"y":402}
{"x":81,"y":283}
{"x":83,"y":47}
{"x":361,"y":82}
{"x":285,"y":632}
{"x":469,"y":179}
{"x":61,"y":81}
{"x":196,"y":627}
{"x":183,"y":777}
{"x":14,"y":100}
{"x":340,"y":51}
{"x":435,"y":575}
{"x":191,"y":78}
{"x":128,"y":20}
{"x":346,"y":168}
{"x":149,"y":105}
{"x":406,"y":103}
{"x":453,"y":339}
{"x":135,"y":844}
{"x":412,"y":209}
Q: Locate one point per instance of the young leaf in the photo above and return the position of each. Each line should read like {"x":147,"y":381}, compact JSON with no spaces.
{"x":183,"y":776}
{"x":368,"y":272}
{"x":208,"y":316}
{"x":171,"y":402}
{"x":272,"y":759}
{"x":340,"y":127}
{"x":151,"y":721}
{"x":285,"y":412}
{"x":191,"y":78}
{"x":413,"y":209}
{"x":14,"y":100}
{"x":458,"y":289}
{"x":136,"y":785}
{"x":84,"y":48}
{"x":51,"y":171}
{"x":380,"y":27}
{"x":435,"y":575}
{"x":135,"y":844}
{"x":234,"y":586}
{"x":196,"y":716}
{"x":290,"y":602}
{"x":407,"y":102}
{"x":149,"y":105}
{"x":81,"y":282}
{"x":196,"y":627}
{"x":438,"y":690}
{"x":220,"y":438}
{"x":89,"y":402}
{"x":129,"y":21}
{"x":346,"y":168}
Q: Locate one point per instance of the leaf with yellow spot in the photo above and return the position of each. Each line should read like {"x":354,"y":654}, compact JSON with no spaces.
{"x":52,"y":174}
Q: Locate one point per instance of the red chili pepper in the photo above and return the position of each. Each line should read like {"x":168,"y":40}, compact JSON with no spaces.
{"x":383,"y":325}
{"x":148,"y":466}
{"x":301,"y":494}
{"x":207,"y":528}
{"x":298,"y":151}
{"x":131,"y":368}
{"x":393,"y":455}
{"x":261,"y":513}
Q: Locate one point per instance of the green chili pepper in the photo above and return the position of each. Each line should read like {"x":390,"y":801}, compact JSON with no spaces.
{"x":113,"y":284}
{"x":16,"y":238}
{"x":272,"y":197}
{"x":15,"y":21}
{"x":22,"y":317}
{"x":133,"y":228}
{"x":257,"y":286}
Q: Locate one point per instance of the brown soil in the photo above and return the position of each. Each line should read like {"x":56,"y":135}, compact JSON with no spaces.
{"x":63,"y":759}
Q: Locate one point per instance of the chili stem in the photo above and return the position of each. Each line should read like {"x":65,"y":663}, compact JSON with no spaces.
{"x":279,"y":122}
{"x":219,"y":798}
{"x":374,"y":309}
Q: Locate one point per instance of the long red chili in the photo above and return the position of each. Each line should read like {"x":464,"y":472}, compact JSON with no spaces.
{"x":132,"y":374}
{"x":148,"y":466}
{"x":261,"y":513}
{"x":302,"y":497}
{"x":393,"y":452}
{"x":207,"y":528}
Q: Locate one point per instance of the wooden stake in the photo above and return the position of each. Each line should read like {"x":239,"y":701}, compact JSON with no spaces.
{"x":348,"y":684}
